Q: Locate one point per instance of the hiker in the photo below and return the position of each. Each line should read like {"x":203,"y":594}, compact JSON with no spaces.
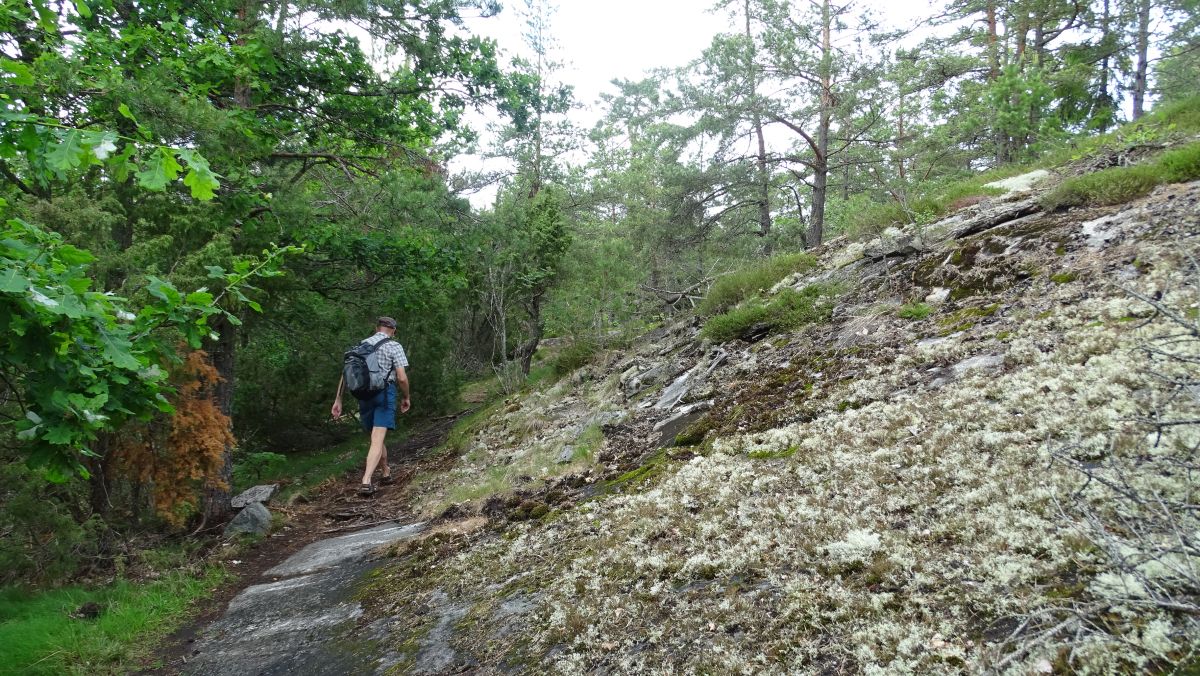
{"x":377,"y":412}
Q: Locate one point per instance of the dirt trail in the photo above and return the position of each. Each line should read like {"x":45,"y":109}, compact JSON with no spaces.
{"x":293,"y":591}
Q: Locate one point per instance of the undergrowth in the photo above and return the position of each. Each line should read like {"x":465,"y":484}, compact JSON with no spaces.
{"x":1122,"y":184}
{"x":786,"y":310}
{"x":735,"y":287}
{"x":39,"y":635}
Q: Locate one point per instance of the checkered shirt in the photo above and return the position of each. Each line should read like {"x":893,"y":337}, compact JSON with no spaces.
{"x":391,"y":354}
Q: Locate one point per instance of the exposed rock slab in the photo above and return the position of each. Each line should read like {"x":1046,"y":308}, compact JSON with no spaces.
{"x":1022,"y":183}
{"x":303,"y":624}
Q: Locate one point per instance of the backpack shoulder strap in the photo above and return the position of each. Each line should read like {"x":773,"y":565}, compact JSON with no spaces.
{"x":371,"y":347}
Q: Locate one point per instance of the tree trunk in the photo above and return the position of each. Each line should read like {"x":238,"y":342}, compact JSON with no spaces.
{"x":992,"y":41}
{"x":1106,"y":39}
{"x":763,"y":175}
{"x":215,"y":505}
{"x":1143,"y":47}
{"x":816,"y":224}
{"x":525,"y":352}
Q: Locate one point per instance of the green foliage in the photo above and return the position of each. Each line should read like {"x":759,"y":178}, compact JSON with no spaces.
{"x":735,"y":287}
{"x":299,"y":470}
{"x":1181,"y":164}
{"x":786,"y":310}
{"x":255,"y":466}
{"x":39,"y":636}
{"x":43,"y":542}
{"x":862,"y":217}
{"x":914,"y":311}
{"x":1122,"y":184}
{"x":588,"y":443}
{"x":574,"y":356}
{"x":80,"y":362}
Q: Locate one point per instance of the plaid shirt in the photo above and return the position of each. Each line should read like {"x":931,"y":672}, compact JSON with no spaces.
{"x":391,"y":354}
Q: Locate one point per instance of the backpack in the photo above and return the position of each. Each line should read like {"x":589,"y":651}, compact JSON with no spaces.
{"x":361,"y":371}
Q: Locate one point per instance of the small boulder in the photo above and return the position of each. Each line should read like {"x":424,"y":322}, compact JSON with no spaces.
{"x":253,"y":519}
{"x":255,"y":494}
{"x":938,"y":296}
{"x":567,"y":455}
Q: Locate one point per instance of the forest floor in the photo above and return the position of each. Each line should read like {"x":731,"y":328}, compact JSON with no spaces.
{"x":329,"y":510}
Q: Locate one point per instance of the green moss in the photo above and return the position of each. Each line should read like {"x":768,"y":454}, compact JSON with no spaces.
{"x":966,"y":318}
{"x":1060,"y":250}
{"x":1063,"y":277}
{"x":914,"y":311}
{"x":694,"y":434}
{"x":1004,"y":335}
{"x":773,"y":455}
{"x":648,"y":470}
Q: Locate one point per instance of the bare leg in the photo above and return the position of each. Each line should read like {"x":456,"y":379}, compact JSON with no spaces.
{"x":383,"y":466}
{"x":375,"y":453}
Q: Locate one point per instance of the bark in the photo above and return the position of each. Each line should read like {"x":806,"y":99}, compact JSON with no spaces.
{"x":215,"y":505}
{"x":529,"y":347}
{"x":816,"y":224}
{"x":1143,"y":47}
{"x":763,"y":175}
{"x":993,"y":43}
{"x":1106,"y":99}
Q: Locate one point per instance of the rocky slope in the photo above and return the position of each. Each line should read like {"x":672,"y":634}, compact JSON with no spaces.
{"x":1006,"y":483}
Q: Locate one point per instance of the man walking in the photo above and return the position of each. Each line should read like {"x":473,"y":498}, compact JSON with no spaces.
{"x":378,"y":413}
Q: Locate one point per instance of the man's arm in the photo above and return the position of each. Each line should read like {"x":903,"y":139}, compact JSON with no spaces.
{"x":402,"y":383}
{"x":337,"y":400}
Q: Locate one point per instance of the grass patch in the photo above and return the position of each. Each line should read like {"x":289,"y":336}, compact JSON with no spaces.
{"x":787,"y":310}
{"x":300,"y":471}
{"x":731,"y":289}
{"x":496,"y":480}
{"x":915,"y":311}
{"x":1122,"y":184}
{"x":588,"y":443}
{"x":1181,"y":164}
{"x":38,"y":636}
{"x":926,"y":205}
{"x":1063,"y":277}
{"x":574,"y":356}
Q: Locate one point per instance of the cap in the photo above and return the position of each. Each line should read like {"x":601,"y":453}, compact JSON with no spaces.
{"x":386,"y":321}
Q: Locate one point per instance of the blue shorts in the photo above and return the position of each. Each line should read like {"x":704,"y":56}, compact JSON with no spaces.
{"x":379,"y":411}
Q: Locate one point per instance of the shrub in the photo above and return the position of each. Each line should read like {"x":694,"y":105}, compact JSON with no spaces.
{"x":787,"y":310}
{"x":731,"y":289}
{"x":1181,"y":164}
{"x":915,"y":311}
{"x":1109,"y":186}
{"x":574,"y":356}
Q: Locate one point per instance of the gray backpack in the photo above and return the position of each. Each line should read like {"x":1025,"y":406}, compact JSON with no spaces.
{"x":361,"y":371}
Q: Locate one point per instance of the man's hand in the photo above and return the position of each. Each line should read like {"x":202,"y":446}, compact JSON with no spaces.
{"x":337,"y":409}
{"x":405,"y":404}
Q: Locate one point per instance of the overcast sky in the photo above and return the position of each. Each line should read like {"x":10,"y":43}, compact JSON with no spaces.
{"x":599,"y":41}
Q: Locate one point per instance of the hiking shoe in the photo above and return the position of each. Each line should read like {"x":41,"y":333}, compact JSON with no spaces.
{"x":387,"y":480}
{"x":366,"y":490}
